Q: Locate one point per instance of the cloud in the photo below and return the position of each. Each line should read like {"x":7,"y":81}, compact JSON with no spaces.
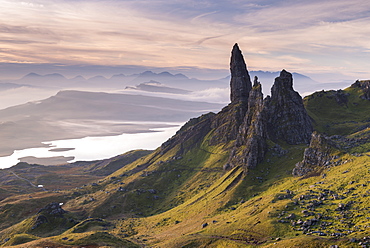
{"x":312,"y":35}
{"x":4,"y":28}
{"x":199,"y":42}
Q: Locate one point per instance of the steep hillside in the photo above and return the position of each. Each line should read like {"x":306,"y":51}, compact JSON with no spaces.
{"x":253,"y":175}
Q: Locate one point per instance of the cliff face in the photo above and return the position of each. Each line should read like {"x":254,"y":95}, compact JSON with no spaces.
{"x":288,"y":119}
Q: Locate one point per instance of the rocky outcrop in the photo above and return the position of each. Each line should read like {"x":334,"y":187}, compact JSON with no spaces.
{"x":316,"y":156}
{"x":288,"y":119}
{"x":48,"y":214}
{"x":339,"y":96}
{"x":53,"y":209}
{"x":364,"y":85}
{"x":250,"y":146}
{"x":240,"y":83}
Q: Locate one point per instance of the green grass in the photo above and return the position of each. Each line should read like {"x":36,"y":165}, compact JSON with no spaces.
{"x":165,"y":184}
{"x":20,"y":239}
{"x":333,"y":118}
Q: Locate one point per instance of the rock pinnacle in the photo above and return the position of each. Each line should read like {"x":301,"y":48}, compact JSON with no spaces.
{"x":240,"y":83}
{"x":288,"y":119}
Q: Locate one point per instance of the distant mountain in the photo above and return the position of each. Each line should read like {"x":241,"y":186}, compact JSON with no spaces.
{"x":178,"y":75}
{"x":48,"y":80}
{"x":78,"y":78}
{"x":45,"y":77}
{"x":32,"y":75}
{"x":163,"y":75}
{"x":119,"y":81}
{"x":303,"y":83}
{"x":159,"y":77}
{"x":8,"y":86}
{"x":178,"y":81}
{"x":98,"y":78}
{"x":118,"y":77}
{"x":154,"y":86}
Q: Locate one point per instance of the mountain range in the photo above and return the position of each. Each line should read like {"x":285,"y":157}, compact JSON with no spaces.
{"x":274,"y":171}
{"x":120,"y":81}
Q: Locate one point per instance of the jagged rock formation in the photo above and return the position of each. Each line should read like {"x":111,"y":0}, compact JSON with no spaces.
{"x":316,"y":156}
{"x":364,"y":85}
{"x":252,"y":134}
{"x":279,"y":117}
{"x":249,"y":120}
{"x":288,"y":119}
{"x":240,"y":83}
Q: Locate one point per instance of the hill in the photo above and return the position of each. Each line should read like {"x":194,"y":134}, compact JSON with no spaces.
{"x":279,"y":171}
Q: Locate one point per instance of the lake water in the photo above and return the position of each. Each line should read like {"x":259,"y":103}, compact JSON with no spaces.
{"x":94,"y":148}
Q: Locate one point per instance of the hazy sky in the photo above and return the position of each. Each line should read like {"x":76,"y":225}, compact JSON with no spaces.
{"x":299,"y":35}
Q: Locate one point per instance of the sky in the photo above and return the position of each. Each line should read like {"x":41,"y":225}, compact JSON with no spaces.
{"x":331,"y":36}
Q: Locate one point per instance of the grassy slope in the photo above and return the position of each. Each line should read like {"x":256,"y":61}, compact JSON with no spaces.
{"x":19,"y":178}
{"x":333,"y":118}
{"x":255,"y":220}
{"x":240,"y":209}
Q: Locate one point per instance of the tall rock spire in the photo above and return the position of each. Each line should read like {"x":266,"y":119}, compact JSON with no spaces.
{"x":226,"y":124}
{"x":240,"y":83}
